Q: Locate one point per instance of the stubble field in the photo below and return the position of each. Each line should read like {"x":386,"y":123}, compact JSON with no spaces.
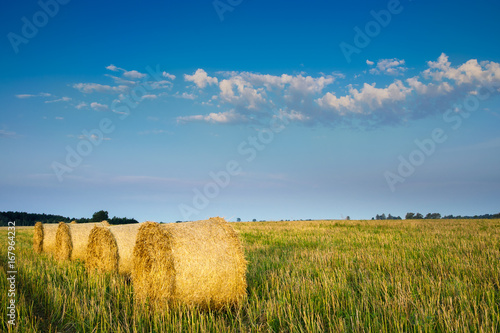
{"x":303,"y":276}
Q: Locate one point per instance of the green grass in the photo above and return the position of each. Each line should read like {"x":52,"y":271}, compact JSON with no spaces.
{"x":315,"y":276}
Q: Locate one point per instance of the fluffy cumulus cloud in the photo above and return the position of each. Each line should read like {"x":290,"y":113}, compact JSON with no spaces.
{"x":366,"y":99}
{"x":200,"y":78}
{"x":255,"y":95}
{"x":328,"y":99}
{"x":485,"y":73}
{"x":134,"y":75}
{"x":388,"y":67}
{"x":98,"y":106}
{"x":168,"y":76}
{"x":308,"y":99}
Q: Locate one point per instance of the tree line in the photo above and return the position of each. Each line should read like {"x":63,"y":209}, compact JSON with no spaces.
{"x":29,"y":219}
{"x":433,"y":216}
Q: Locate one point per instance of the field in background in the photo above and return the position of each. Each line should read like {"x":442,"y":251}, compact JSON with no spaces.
{"x":314,"y":276}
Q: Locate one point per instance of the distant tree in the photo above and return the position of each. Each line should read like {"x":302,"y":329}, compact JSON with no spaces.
{"x":377,"y":217}
{"x":238,"y":220}
{"x":418,"y":216}
{"x":348,"y":218}
{"x":100,"y":216}
{"x":254,"y":220}
{"x":410,"y":216}
{"x":390,"y":217}
{"x":382,"y":217}
{"x":121,"y":220}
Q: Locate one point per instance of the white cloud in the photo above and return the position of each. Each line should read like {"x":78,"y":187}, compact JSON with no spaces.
{"x":246,"y":95}
{"x":222,"y":118}
{"x":292,"y":115}
{"x":388,"y":66}
{"x":98,"y":107}
{"x":296,"y":83}
{"x":150,"y":96}
{"x":134,"y":75}
{"x":484,"y":74}
{"x":185,"y":95}
{"x":339,"y":103}
{"x":430,"y":89}
{"x":168,"y":75}
{"x":113,"y":68}
{"x":81,"y":105}
{"x":62,"y":99}
{"x":59,"y":118}
{"x":23,"y":96}
{"x":119,"y":80}
{"x":96,"y":87}
{"x":162,"y":84}
{"x":200,"y":78}
{"x":367,"y":99}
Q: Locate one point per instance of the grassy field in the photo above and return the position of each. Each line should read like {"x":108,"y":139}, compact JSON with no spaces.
{"x":315,"y":276}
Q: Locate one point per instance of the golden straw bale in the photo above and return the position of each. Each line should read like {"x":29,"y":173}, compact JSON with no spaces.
{"x":193,"y":263}
{"x":73,"y":222}
{"x":38,"y":238}
{"x":71,"y":240}
{"x":44,"y":237}
{"x":111,"y":248}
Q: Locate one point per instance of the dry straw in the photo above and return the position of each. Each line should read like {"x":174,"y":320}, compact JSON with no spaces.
{"x":111,"y":249}
{"x":44,"y":237}
{"x":71,"y":239}
{"x":193,"y":263}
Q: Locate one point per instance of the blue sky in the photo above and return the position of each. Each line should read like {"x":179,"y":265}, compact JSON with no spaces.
{"x":165,"y":111}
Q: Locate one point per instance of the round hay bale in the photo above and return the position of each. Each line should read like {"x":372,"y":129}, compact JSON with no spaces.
{"x":71,"y":240}
{"x":73,"y":222}
{"x":38,"y":238}
{"x":193,"y":263}
{"x":44,"y":237}
{"x":110,"y":249}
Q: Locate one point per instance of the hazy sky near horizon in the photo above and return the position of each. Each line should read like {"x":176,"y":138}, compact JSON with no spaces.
{"x":182,"y":110}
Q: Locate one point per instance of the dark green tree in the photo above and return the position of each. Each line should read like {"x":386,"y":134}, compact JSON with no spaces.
{"x":418,"y":216}
{"x":410,"y":216}
{"x":100,"y":216}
